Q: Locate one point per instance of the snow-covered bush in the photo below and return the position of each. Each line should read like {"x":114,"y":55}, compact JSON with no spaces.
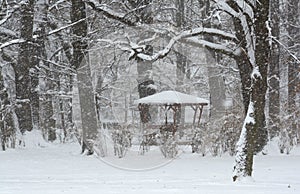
{"x":122,"y":141}
{"x":168,"y":143}
{"x":147,"y":141}
{"x":169,"y":148}
{"x":200,"y":142}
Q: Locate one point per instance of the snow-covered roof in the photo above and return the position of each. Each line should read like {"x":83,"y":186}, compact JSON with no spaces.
{"x":171,"y":97}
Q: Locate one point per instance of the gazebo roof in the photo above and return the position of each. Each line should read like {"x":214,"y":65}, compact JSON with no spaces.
{"x":170,"y":98}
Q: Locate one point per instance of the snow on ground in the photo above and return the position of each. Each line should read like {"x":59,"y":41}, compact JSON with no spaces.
{"x":62,"y":169}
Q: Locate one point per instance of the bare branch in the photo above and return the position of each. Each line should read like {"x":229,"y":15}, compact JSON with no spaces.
{"x":287,"y":50}
{"x":194,"y":41}
{"x":20,"y":40}
{"x":9,"y":13}
{"x":8,"y":32}
{"x":110,"y":13}
{"x":64,"y":27}
{"x":11,"y":42}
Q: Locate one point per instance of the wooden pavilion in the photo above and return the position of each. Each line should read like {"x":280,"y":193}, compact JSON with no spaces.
{"x":169,"y":101}
{"x":173,"y":101}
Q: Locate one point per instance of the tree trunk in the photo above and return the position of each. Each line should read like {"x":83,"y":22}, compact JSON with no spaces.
{"x":216,"y":90}
{"x":215,"y":80}
{"x":243,"y":65}
{"x":293,"y":65}
{"x":10,"y":120}
{"x":245,"y":147}
{"x":86,"y":91}
{"x":145,"y":86}
{"x":274,"y":76}
{"x":181,"y":65}
{"x":23,"y":85}
{"x":144,"y":68}
{"x":262,"y":57}
{"x":46,"y":120}
{"x":181,"y":59}
{"x":88,"y":108}
{"x":254,"y":134}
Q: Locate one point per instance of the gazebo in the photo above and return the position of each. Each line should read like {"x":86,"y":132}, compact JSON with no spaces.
{"x":173,"y":100}
{"x":170,"y":101}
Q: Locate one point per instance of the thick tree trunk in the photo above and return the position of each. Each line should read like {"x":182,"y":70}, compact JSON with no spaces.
{"x":245,"y":147}
{"x":215,"y":80}
{"x":216,"y":90}
{"x":88,"y":108}
{"x":85,"y":86}
{"x":144,"y":68}
{"x":254,"y":134}
{"x":47,"y":122}
{"x":244,"y":69}
{"x":79,"y":43}
{"x":181,"y":65}
{"x":262,"y":57}
{"x":181,"y":59}
{"x":293,"y":65}
{"x":145,"y":86}
{"x":243,"y":65}
{"x":274,"y":75}
{"x":3,"y":113}
{"x":41,"y":97}
{"x":23,"y":84}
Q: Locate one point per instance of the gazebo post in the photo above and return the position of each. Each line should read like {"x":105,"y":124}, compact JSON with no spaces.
{"x":174,"y":119}
{"x":166,"y":115}
{"x":201,"y":109}
{"x":195,"y":113}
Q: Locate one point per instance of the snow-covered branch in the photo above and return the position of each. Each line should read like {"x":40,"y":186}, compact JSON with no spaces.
{"x":9,"y":12}
{"x":109,"y":12}
{"x":250,"y":39}
{"x":194,"y":41}
{"x":8,"y":32}
{"x":223,"y":5}
{"x":242,"y":11}
{"x":245,"y":7}
{"x":120,"y":44}
{"x":11,"y":42}
{"x":55,"y":5}
{"x":188,"y":34}
{"x":251,"y":3}
{"x":20,"y":40}
{"x":64,"y":27}
{"x":286,"y":49}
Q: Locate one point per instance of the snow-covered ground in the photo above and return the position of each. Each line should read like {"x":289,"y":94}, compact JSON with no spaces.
{"x":62,"y":169}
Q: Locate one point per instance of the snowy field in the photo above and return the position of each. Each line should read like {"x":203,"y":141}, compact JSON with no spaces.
{"x":62,"y":169}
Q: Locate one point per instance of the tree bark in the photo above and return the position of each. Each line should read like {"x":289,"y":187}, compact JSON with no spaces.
{"x":88,"y":108}
{"x":262,"y":57}
{"x":215,"y":80}
{"x":144,"y":68}
{"x":274,"y":75}
{"x":243,"y":65}
{"x":293,"y":65}
{"x":85,"y":86}
{"x":25,"y":62}
{"x":181,"y":58}
{"x":254,"y":134}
